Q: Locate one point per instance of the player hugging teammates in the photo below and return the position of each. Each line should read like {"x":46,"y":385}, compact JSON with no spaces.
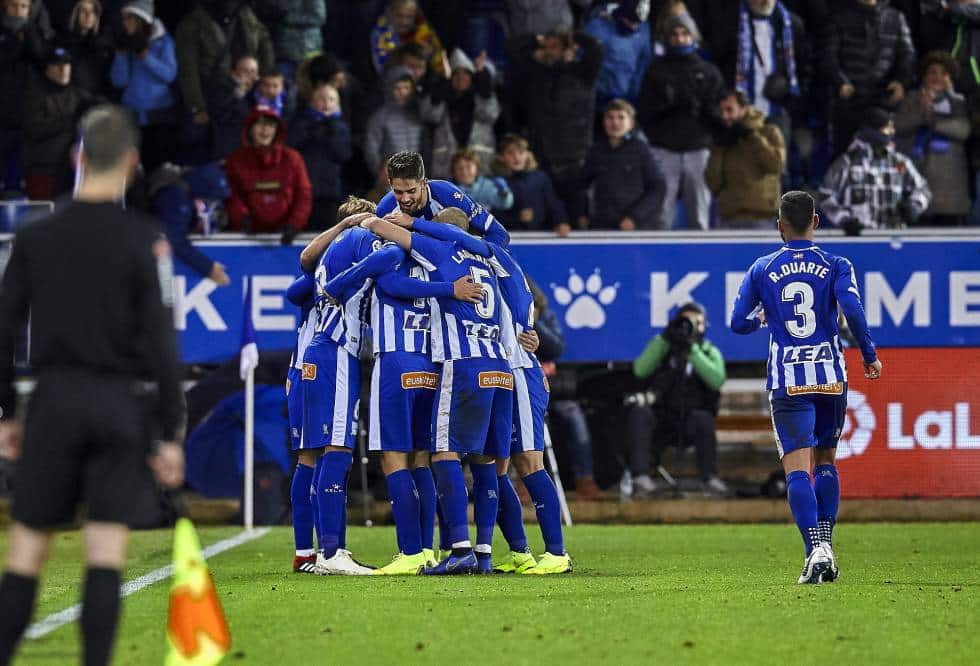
{"x":454,"y":379}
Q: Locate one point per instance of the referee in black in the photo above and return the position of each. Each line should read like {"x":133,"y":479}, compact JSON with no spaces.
{"x":96,"y":281}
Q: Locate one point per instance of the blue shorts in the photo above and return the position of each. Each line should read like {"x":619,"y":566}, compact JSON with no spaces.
{"x":807,"y":420}
{"x":474,"y":407}
{"x":331,"y":393}
{"x":530,"y":404}
{"x":403,"y":385}
{"x":294,"y":407}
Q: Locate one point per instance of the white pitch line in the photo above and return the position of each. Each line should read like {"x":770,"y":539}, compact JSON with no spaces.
{"x":69,"y":615}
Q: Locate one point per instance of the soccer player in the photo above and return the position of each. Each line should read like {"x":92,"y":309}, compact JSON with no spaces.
{"x":472,"y":414}
{"x":530,"y":404}
{"x":796,"y":291}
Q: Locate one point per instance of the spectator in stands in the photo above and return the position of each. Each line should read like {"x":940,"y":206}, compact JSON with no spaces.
{"x":556,"y":78}
{"x":403,"y":23}
{"x":91,"y":48}
{"x":413,"y":57}
{"x":932,"y":126}
{"x":322,"y":137}
{"x":956,"y":25}
{"x":230,"y":104}
{"x":299,"y":34}
{"x":869,"y":61}
{"x":678,"y":110}
{"x":686,"y":373}
{"x":745,"y":166}
{"x":22,"y":52}
{"x":661,"y":36}
{"x":398,"y":124}
{"x":270,"y":188}
{"x":541,"y":16}
{"x":209,"y":41}
{"x":190,"y":201}
{"x":872,"y":185}
{"x":536,"y":205}
{"x":627,"y":48}
{"x":492,"y":193}
{"x":625,"y":180}
{"x":325,"y":68}
{"x":144,"y":68}
{"x":462,"y":109}
{"x":273,"y":92}
{"x":51,"y":112}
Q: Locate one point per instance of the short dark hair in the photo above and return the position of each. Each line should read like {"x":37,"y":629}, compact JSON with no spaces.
{"x":740,"y":96}
{"x":796,"y":209}
{"x":692,"y":306}
{"x":944,"y":60}
{"x":407,"y":165}
{"x":106,"y":134}
{"x":619,"y":104}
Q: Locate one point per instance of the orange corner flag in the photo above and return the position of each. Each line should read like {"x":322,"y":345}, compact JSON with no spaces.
{"x":197,"y":631}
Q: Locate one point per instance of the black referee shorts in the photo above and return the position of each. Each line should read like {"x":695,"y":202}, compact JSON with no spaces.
{"x":85,"y":441}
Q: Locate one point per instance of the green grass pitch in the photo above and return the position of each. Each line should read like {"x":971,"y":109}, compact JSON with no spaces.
{"x":909,"y":594}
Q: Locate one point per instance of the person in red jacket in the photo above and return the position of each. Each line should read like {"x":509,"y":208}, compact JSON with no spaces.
{"x":270,"y":189}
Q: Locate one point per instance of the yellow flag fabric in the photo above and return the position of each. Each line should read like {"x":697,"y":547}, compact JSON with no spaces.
{"x":197,"y":632}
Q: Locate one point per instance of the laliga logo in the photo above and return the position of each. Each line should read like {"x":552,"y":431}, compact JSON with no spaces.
{"x":859,"y":424}
{"x":586,"y":299}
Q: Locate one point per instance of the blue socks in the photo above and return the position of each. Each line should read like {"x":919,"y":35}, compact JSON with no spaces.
{"x":426,"y":486}
{"x":452,"y":498}
{"x":332,"y":500}
{"x":803,"y":504}
{"x":444,"y":542}
{"x":510,"y":515}
{"x":545,"y":496}
{"x":315,"y":483}
{"x":299,"y":495}
{"x":485,"y":503}
{"x":405,"y":511}
{"x":826,"y":487}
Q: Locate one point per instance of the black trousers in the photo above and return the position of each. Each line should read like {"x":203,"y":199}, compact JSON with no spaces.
{"x":650,"y":431}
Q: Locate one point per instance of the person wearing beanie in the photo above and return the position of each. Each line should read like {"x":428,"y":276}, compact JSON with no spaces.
{"x":144,"y":68}
{"x":872,"y":185}
{"x":678,"y":111}
{"x":627,"y":48}
{"x":462,"y":109}
{"x":398,"y":125}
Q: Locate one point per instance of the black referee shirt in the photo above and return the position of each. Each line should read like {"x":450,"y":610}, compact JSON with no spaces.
{"x":96,"y":281}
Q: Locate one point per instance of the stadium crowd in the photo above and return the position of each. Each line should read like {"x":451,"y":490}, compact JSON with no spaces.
{"x":555,"y":115}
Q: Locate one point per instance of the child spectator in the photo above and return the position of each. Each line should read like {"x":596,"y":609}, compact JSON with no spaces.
{"x":625,"y":179}
{"x":230,"y":105}
{"x":493,"y":193}
{"x":271,"y":92}
{"x":322,"y":137}
{"x":91,"y":48}
{"x":536,"y":206}
{"x":270,"y":188}
{"x":145,"y":66}
{"x":51,"y":112}
{"x":398,"y":124}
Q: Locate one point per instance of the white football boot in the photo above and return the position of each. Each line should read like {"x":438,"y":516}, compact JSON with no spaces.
{"x":341,"y":564}
{"x":815,"y":565}
{"x":832,"y":573}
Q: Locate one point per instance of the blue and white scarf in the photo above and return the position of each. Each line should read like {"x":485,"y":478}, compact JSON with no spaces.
{"x":745,"y":69}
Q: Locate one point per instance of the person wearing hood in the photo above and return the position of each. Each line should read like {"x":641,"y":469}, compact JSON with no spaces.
{"x":187,"y":201}
{"x":745,"y":166}
{"x":462,"y":109}
{"x":270,"y":188}
{"x":678,"y":111}
{"x":872,"y":185}
{"x":144,"y":68}
{"x":932,"y":126}
{"x":52,"y":109}
{"x":91,"y":48}
{"x":627,"y":47}
{"x":403,"y":23}
{"x":396,"y":126}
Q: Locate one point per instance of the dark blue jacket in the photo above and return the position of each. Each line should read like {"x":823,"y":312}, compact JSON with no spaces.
{"x":533,"y":189}
{"x":626,"y":182}
{"x":325,"y":145}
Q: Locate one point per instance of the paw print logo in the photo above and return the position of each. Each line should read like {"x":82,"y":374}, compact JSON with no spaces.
{"x":859,"y":424}
{"x":586,"y":299}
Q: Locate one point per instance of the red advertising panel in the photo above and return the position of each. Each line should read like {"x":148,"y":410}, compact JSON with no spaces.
{"x":916,"y":431}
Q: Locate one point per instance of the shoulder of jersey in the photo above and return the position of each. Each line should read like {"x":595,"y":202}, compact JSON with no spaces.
{"x":443,"y":189}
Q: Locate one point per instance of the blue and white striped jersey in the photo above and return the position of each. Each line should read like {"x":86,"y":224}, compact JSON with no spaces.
{"x":400,"y":309}
{"x":520,"y":302}
{"x":461,"y":329}
{"x":799,"y":288}
{"x":342,"y":310}
{"x":443,"y":194}
{"x":301,"y":293}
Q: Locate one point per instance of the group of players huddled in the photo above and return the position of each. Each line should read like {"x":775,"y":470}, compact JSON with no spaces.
{"x":428,"y":274}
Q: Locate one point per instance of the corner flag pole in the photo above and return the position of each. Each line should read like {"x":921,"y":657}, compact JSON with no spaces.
{"x":248,"y":361}
{"x":553,"y":464}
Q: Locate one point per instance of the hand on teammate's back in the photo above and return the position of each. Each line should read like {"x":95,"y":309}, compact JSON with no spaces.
{"x":529,"y":341}
{"x":400,"y":219}
{"x":10,"y":439}
{"x":873,"y":370}
{"x":464,"y":289}
{"x":168,"y":465}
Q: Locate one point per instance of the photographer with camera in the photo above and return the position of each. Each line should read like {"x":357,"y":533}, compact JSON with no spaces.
{"x":685,"y":374}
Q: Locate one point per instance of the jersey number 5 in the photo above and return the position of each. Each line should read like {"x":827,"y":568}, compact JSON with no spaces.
{"x":488,"y":305}
{"x":801,"y":295}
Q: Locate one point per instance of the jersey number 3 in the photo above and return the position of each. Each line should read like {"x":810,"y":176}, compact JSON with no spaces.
{"x":801,"y":295}
{"x":486,"y":307}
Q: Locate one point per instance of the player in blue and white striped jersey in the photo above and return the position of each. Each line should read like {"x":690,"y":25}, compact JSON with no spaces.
{"x":530,"y":404}
{"x":797,"y":290}
{"x":474,"y":404}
